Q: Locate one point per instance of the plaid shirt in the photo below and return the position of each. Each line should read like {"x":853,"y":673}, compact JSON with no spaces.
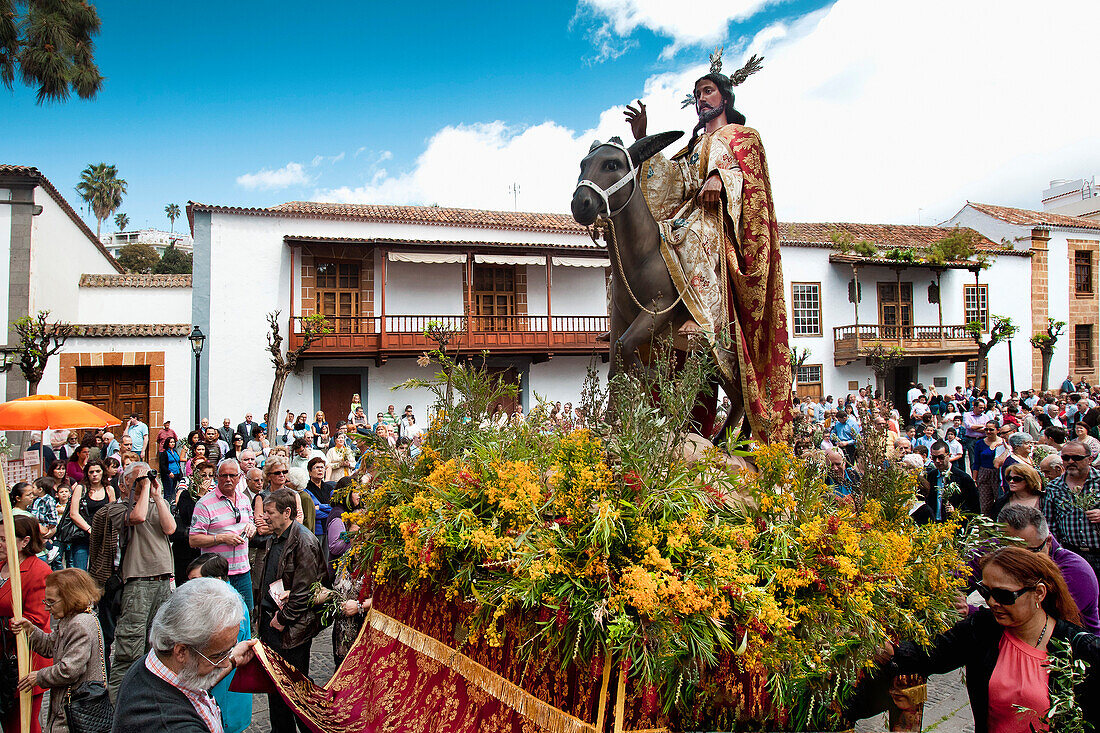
{"x":45,"y":510}
{"x":1066,"y":518}
{"x":204,"y":704}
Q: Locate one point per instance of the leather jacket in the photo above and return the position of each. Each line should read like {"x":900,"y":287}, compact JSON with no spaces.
{"x":300,"y":566}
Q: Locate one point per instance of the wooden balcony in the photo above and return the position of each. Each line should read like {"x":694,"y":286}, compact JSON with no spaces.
{"x":947,"y":342}
{"x":403,"y":335}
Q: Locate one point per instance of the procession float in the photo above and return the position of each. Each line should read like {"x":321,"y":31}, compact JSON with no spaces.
{"x":618,"y":572}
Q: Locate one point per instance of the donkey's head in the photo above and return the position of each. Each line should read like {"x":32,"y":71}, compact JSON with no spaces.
{"x":605,"y":184}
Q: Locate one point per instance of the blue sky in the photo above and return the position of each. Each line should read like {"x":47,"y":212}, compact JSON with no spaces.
{"x":201,"y":93}
{"x":870,"y":111}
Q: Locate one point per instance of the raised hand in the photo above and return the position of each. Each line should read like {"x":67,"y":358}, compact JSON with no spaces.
{"x":637,"y":119}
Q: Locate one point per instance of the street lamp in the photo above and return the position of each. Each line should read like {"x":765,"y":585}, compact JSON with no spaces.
{"x":197,"y":339}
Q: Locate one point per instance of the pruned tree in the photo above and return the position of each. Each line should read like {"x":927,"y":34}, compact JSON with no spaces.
{"x":287,"y":363}
{"x":1001,"y":329}
{"x":51,"y":44}
{"x":38,"y":341}
{"x":1045,"y":343}
{"x":138,"y":257}
{"x":798,"y":357}
{"x":884,"y":359}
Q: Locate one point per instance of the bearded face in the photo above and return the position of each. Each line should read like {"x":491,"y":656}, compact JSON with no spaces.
{"x":709,"y":103}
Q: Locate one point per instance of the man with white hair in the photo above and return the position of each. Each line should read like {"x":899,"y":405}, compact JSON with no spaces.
{"x":194,"y":645}
{"x":1051,"y":467}
{"x":223,"y":524}
{"x":146,"y":569}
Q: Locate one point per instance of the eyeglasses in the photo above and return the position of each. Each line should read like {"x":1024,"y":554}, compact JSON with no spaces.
{"x":1016,"y":479}
{"x":1067,"y":457}
{"x":228,"y":475}
{"x":1002,"y":596}
{"x":279,"y":473}
{"x":221,"y":660}
{"x":48,"y":603}
{"x":1041,"y":545}
{"x":941,"y":457}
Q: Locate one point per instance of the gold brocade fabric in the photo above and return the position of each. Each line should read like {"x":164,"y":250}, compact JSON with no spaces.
{"x":725,"y":262}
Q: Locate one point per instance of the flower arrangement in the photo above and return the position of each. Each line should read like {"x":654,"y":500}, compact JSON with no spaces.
{"x":734,"y":600}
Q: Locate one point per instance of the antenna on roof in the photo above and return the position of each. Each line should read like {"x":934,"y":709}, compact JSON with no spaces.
{"x":514,"y":190}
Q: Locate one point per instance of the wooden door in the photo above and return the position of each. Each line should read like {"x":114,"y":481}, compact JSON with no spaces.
{"x":120,"y":391}
{"x":336,"y":391}
{"x":494,"y":298}
{"x":895,"y":308}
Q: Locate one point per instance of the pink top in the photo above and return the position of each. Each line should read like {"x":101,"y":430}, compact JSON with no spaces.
{"x":1018,"y":679}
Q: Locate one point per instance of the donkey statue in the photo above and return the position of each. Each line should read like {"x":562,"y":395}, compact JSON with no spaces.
{"x":644,"y":300}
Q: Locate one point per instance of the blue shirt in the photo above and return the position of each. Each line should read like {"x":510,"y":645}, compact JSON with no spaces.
{"x":926,"y":441}
{"x":819,"y":412}
{"x":236,"y":707}
{"x":847,"y":431}
{"x":138,"y":434}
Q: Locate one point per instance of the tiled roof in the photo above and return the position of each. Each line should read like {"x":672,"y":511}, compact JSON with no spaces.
{"x":881,"y":235}
{"x":135,"y":281}
{"x":132,"y":329}
{"x":1026,"y":217}
{"x":456,"y":243}
{"x":437,"y":215}
{"x":35,"y":176}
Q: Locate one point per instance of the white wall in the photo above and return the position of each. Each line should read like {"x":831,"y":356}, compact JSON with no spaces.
{"x":60,"y":254}
{"x":561,"y":379}
{"x":575,"y":291}
{"x":5,"y":259}
{"x":178,"y":387}
{"x":414,"y":288}
{"x":134,"y":305}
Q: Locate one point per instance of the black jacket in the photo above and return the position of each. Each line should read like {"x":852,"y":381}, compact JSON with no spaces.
{"x":974,"y":643}
{"x":148,"y":703}
{"x":967,"y":498}
{"x":300,"y":566}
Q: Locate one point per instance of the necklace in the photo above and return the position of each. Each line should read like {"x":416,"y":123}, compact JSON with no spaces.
{"x":1042,"y":633}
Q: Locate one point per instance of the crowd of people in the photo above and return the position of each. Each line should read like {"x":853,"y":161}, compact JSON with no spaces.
{"x":1031,"y":463}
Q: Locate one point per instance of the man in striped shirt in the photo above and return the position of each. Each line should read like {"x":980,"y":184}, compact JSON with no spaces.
{"x":223,"y":524}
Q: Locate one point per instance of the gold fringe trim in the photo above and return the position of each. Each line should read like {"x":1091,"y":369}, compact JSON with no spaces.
{"x":542,"y":714}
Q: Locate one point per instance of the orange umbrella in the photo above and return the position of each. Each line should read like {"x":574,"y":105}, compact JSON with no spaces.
{"x":42,"y":411}
{"x":37,"y":412}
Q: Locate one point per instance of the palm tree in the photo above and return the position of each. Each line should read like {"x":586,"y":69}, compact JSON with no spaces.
{"x":122,"y":221}
{"x":173,"y":211}
{"x":102,"y":190}
{"x":51,"y":43}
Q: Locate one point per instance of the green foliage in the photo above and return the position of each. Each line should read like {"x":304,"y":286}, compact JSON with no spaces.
{"x":845,"y":243}
{"x":173,"y":212}
{"x":1045,"y":342}
{"x":102,"y":190}
{"x":138,"y":257}
{"x":901,"y":254}
{"x":882,"y":358}
{"x":958,"y":244}
{"x":1067,"y":675}
{"x":122,"y":221}
{"x":51,"y":44}
{"x":173,"y":262}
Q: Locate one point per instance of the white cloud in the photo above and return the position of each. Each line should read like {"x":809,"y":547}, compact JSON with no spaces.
{"x":687,"y":23}
{"x":869,"y":111}
{"x":291,"y":174}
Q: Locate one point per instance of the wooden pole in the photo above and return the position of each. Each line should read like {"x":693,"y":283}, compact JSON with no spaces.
{"x":549,"y":315}
{"x":22,"y":646}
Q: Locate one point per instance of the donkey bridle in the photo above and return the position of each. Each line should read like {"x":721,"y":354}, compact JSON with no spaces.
{"x":606,"y":194}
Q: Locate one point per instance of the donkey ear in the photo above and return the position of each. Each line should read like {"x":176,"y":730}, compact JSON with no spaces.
{"x":595,"y":144}
{"x":650,"y":145}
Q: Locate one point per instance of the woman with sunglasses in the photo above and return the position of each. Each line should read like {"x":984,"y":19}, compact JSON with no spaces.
{"x":1025,"y":486}
{"x":1006,"y":646}
{"x":1018,"y":450}
{"x":202,"y":478}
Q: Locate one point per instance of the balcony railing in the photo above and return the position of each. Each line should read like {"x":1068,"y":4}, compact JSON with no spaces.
{"x":404,"y":334}
{"x":854,"y":342}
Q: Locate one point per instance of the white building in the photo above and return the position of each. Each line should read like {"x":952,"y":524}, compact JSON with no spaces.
{"x":132,"y":329}
{"x":1079,"y":197}
{"x":155,"y":238}
{"x":1061,"y":283}
{"x":528,"y":288}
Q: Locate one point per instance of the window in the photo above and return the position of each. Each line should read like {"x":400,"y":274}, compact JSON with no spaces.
{"x":1082,"y":346}
{"x":1082,"y":270}
{"x":494,"y":298}
{"x":806,"y":308}
{"x":338,"y":294}
{"x":939,"y":382}
{"x":853,"y":385}
{"x":809,"y":381}
{"x":976,"y":305}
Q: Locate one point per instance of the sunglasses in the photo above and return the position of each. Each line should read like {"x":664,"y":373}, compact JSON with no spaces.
{"x":279,"y":473}
{"x":1066,"y":457}
{"x":1003,"y":596}
{"x":1040,"y":546}
{"x":1016,"y":479}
